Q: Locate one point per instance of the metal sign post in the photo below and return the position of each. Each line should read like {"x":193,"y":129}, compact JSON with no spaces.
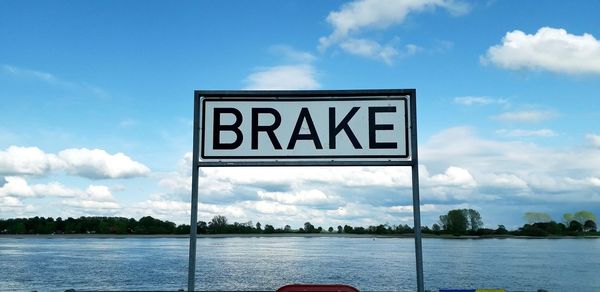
{"x":416,"y":200}
{"x":305,"y":128}
{"x":194,"y":213}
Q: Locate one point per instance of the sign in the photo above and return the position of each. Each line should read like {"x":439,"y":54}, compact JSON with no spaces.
{"x":305,"y":128}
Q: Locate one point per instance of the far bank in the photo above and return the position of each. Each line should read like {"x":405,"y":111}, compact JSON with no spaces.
{"x":307,"y":235}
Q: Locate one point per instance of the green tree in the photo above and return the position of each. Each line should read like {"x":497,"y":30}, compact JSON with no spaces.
{"x":536,"y":217}
{"x":340,"y":229}
{"x":60,"y":225}
{"x":348,"y":229}
{"x":567,"y":218}
{"x":475,"y":221}
{"x":457,"y":222}
{"x":202,"y":227}
{"x":219,"y":220}
{"x":182,"y":229}
{"x":131,"y":225}
{"x":380,"y":229}
{"x":269,"y":229}
{"x":359,"y":230}
{"x":444,"y":222}
{"x":149,"y":225}
{"x":501,"y":230}
{"x":19,"y":228}
{"x":309,"y":228}
{"x":104,"y":226}
{"x":590,"y":226}
{"x":583,"y":216}
{"x":218,"y":224}
{"x":330,"y":229}
{"x":575,"y":226}
{"x":258,"y":227}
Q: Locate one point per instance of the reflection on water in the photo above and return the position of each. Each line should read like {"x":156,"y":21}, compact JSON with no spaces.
{"x":265,"y":263}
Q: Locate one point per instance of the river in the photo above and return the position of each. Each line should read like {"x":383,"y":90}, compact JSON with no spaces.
{"x":265,"y":263}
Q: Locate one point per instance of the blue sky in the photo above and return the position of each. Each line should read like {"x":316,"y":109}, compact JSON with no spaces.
{"x":96,"y":101}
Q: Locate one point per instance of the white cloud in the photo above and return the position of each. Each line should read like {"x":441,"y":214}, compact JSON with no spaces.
{"x":55,"y":189}
{"x":180,"y":183}
{"x":594,"y":139}
{"x":373,"y":50}
{"x":594,"y":181}
{"x":409,"y":208}
{"x":459,"y":169}
{"x":51,"y":79}
{"x":10,"y":202}
{"x":98,"y":164}
{"x":12,"y":205}
{"x":308,"y":197}
{"x":90,"y":163}
{"x":19,"y":187}
{"x":96,"y":200}
{"x":16,"y":187}
{"x":93,"y":198}
{"x":283,"y":77}
{"x":461,"y":146}
{"x":293,"y":55}
{"x":370,"y":49}
{"x":27,"y":73}
{"x":527,"y":133}
{"x":504,"y":166}
{"x":454,"y":176}
{"x":27,"y":161}
{"x":549,"y":49}
{"x":98,"y":193}
{"x":164,"y":206}
{"x":269,"y":207}
{"x":337,"y":195}
{"x":91,"y":205}
{"x":479,"y":100}
{"x":503,"y":180}
{"x":526,"y":116}
{"x":359,"y":15}
{"x":345,"y":176}
{"x":350,"y":211}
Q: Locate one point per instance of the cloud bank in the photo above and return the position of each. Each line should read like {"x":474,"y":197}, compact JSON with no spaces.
{"x":358,"y":16}
{"x":89,"y":163}
{"x":551,"y":49}
{"x":301,"y":76}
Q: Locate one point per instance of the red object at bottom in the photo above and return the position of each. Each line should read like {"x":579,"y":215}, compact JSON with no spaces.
{"x":316,"y":288}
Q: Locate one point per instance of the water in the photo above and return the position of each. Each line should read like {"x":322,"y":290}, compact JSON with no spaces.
{"x":265,"y":263}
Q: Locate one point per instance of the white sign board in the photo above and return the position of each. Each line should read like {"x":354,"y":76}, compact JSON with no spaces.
{"x":373,"y":128}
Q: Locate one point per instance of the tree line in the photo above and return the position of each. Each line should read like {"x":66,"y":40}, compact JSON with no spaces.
{"x":455,"y":222}
{"x":541,"y":224}
{"x":90,"y":225}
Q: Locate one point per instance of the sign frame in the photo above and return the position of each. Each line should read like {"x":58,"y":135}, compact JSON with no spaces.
{"x":411,"y":160}
{"x":282,"y":95}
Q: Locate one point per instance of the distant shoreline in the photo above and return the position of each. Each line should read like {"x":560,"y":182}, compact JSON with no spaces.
{"x":341,"y":235}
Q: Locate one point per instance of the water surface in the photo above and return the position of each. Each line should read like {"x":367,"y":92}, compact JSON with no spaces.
{"x":265,"y":263}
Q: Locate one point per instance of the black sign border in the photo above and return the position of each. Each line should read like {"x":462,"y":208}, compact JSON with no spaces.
{"x":408,"y":95}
